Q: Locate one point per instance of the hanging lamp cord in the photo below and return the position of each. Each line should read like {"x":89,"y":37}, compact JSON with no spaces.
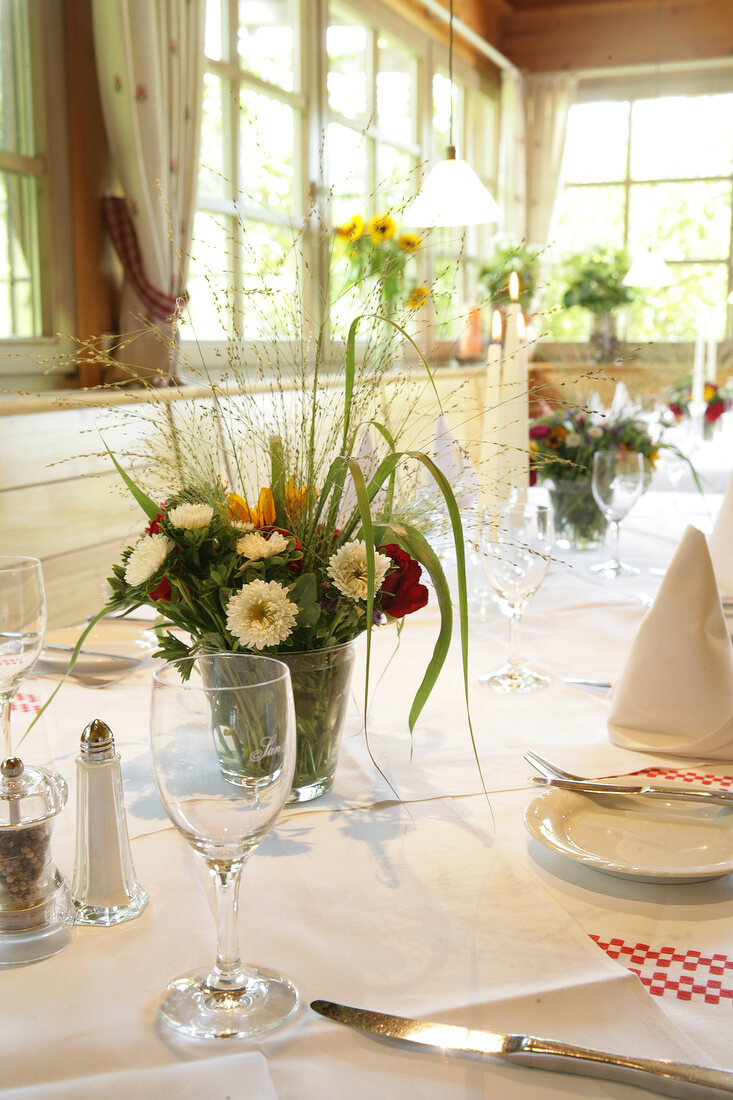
{"x":451,"y":146}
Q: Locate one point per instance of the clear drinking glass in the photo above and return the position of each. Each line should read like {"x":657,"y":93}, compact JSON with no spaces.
{"x":223,"y":747}
{"x":618,"y":482}
{"x":516,"y":545}
{"x":22,"y":627}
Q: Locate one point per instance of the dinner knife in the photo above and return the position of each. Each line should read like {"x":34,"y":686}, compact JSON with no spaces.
{"x":659,"y":1075}
{"x":91,"y":653}
{"x":601,"y":786}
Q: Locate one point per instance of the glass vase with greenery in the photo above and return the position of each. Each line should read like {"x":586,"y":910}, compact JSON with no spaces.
{"x":595,"y":282}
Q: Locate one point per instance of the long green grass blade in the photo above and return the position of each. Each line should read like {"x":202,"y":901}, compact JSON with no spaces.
{"x":148,"y":506}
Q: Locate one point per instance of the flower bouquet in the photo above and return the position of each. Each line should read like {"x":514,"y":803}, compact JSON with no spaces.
{"x":377,"y":249}
{"x":717,"y":401}
{"x":562,"y":445}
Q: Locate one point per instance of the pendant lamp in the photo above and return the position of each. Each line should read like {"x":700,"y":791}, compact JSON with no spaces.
{"x":452,"y":194}
{"x":649,"y":270}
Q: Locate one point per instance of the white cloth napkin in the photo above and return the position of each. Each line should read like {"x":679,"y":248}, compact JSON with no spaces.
{"x":245,"y":1076}
{"x":452,"y":460}
{"x":369,"y":462}
{"x":721,"y":543}
{"x":675,"y":693}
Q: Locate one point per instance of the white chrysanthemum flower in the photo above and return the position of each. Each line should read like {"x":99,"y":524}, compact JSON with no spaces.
{"x":147,"y":558}
{"x":240,"y":525}
{"x":595,"y":432}
{"x":572,"y":439}
{"x":190,"y":517}
{"x":106,"y":592}
{"x":261,"y":614}
{"x":255,"y":546}
{"x":348,"y":570}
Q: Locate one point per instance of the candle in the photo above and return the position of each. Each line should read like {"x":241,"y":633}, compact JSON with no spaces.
{"x":711,"y":368}
{"x":470,"y":344}
{"x":698,"y":372}
{"x":493,"y":460}
{"x":515,"y":384}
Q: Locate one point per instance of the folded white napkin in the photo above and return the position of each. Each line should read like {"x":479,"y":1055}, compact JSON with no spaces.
{"x":721,"y":543}
{"x":244,"y":1076}
{"x":453,"y":461}
{"x":675,"y":694}
{"x":369,"y":462}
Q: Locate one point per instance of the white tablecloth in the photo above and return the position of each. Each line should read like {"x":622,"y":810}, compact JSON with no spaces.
{"x":436,"y":906}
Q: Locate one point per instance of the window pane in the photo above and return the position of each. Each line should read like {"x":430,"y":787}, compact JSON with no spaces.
{"x":268,"y":141}
{"x":19,"y":266}
{"x":269,"y":298}
{"x":596,"y":143}
{"x":16,"y":99}
{"x":587,"y":217}
{"x":678,"y":137}
{"x":215,"y":32}
{"x":346,"y":46}
{"x":266,"y":40}
{"x":347,"y":164}
{"x":689,"y":221}
{"x":214,"y":170}
{"x":396,"y":83}
{"x":210,"y":277}
{"x":673,"y":313}
{"x":396,"y":177}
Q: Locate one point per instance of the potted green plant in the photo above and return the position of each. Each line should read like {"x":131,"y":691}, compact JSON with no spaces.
{"x":595,"y":282}
{"x":494,"y":276}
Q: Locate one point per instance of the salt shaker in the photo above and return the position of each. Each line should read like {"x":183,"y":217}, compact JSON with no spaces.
{"x":104,"y":886}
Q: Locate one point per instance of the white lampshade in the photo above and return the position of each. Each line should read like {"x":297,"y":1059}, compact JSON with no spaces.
{"x":648,"y":270}
{"x":451,"y":195}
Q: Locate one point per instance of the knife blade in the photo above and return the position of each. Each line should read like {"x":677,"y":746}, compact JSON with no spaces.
{"x":678,"y":1079}
{"x":91,"y":653}
{"x":589,"y":786}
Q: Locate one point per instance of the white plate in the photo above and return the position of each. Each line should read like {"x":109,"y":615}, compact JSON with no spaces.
{"x":115,"y":637}
{"x":633,"y":836}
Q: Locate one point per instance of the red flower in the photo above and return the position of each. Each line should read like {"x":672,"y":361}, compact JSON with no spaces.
{"x":532,"y":476}
{"x":714,"y":410}
{"x":154,"y":525}
{"x":401,"y":590}
{"x":539,"y":431}
{"x":162,"y":592}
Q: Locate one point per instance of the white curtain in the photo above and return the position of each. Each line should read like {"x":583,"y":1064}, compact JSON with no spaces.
{"x":547,"y":100}
{"x":150,"y":58}
{"x":512,"y":157}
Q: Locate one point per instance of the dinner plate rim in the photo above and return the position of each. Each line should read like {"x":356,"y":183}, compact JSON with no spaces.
{"x":605,"y":865}
{"x":137,"y":644}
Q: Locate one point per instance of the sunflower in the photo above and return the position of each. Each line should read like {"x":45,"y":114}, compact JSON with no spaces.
{"x":351,"y":230}
{"x":418,"y":297}
{"x":381,"y":228}
{"x":261,"y":515}
{"x":409,"y":242}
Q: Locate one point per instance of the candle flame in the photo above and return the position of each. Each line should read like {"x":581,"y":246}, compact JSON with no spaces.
{"x":520,"y":326}
{"x":496,"y":326}
{"x":514,"y":286}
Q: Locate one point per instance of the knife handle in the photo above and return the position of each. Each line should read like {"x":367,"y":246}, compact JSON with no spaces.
{"x":667,"y":1078}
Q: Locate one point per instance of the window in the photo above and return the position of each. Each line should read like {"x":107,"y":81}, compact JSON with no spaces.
{"x":287,"y":130}
{"x":652,"y":172}
{"x":35,"y":283}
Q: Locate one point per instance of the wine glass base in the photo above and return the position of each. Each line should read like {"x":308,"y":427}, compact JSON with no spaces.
{"x":193,"y":1009}
{"x":613,"y":568}
{"x":515,"y":679}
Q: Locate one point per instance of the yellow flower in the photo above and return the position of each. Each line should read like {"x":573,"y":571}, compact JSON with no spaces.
{"x":409,"y":242}
{"x":653,"y":456}
{"x":710,"y":391}
{"x":262,"y":514}
{"x":352,"y":229}
{"x":418,"y":297}
{"x":557,"y":436}
{"x":381,"y":228}
{"x":297,"y":497}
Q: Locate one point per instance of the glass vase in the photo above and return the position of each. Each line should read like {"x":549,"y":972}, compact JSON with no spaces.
{"x":579,"y":522}
{"x":321,"y":681}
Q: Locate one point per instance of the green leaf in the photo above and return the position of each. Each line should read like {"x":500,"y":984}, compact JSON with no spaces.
{"x":149,"y":508}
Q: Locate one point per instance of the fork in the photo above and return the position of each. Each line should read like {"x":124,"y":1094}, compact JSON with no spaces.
{"x":549,"y":770}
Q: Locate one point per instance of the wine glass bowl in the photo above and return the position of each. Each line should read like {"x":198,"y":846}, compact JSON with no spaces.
{"x":617,"y":483}
{"x":516,"y":544}
{"x":22,"y":629}
{"x":223,"y":747}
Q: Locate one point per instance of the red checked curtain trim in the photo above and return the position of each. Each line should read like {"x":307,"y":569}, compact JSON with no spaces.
{"x":158,"y":306}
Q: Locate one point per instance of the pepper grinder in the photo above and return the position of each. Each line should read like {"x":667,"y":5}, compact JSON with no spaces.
{"x":104,"y":886}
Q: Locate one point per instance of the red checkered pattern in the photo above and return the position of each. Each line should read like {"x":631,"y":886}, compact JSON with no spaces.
{"x":25,"y":702}
{"x":703,"y":779}
{"x":667,"y":971}
{"x":159,"y":306}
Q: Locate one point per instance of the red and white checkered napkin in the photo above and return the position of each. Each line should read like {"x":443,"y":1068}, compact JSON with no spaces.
{"x":25,"y":702}
{"x":684,"y":973}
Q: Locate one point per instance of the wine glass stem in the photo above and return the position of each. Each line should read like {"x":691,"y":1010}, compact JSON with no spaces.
{"x":616,"y":524}
{"x":6,"y":701}
{"x":515,"y":622}
{"x":228,"y":972}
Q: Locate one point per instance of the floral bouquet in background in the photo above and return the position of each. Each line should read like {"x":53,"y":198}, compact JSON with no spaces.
{"x":718,"y":400}
{"x":377,"y":249}
{"x":562,"y":445}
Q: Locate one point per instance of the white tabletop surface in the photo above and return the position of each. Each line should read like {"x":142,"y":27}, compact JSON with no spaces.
{"x":435,"y":903}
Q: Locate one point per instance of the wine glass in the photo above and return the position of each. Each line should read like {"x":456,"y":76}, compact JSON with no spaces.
{"x":618,"y":482}
{"x":516,"y":545}
{"x":22,"y":627}
{"x":223,"y":745}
